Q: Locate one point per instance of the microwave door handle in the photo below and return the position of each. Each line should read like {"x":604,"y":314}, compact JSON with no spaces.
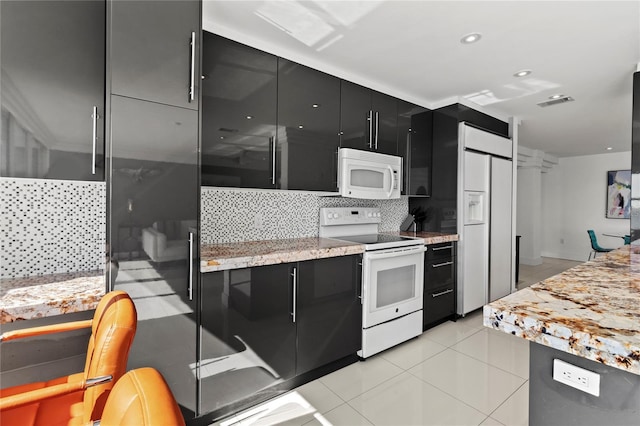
{"x":390,"y":181}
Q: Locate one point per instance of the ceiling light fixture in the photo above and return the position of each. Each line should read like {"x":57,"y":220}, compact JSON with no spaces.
{"x":471,"y":38}
{"x":522,"y":73}
{"x":301,"y":127}
{"x":249,"y":117}
{"x":609,"y":148}
{"x":315,"y":105}
{"x":556,"y":96}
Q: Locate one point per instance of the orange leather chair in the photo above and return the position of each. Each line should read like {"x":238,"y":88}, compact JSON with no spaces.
{"x":77,"y":398}
{"x":141,"y":397}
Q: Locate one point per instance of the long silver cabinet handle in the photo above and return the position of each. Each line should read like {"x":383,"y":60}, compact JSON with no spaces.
{"x":437,"y":265}
{"x":272,"y":141}
{"x":94,"y":116}
{"x":294,"y":284}
{"x":192,"y":76}
{"x":377,"y":128}
{"x":190,"y":265}
{"x":370,"y":118}
{"x":442,"y":248}
{"x":442,"y":293}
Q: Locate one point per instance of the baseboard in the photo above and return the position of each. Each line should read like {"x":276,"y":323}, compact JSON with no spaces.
{"x":532,"y":261}
{"x":578,"y":257}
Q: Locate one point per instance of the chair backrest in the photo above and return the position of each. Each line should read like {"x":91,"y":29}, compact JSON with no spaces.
{"x":594,"y":240}
{"x":112,"y":332}
{"x":141,"y":397}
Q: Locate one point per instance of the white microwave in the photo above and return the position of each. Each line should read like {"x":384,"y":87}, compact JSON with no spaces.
{"x":371,"y":175}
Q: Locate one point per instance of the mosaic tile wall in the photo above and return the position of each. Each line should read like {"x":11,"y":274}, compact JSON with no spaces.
{"x":51,"y":226}
{"x":232,"y":215}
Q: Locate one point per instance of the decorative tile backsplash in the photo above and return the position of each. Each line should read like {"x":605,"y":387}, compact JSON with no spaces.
{"x":51,"y":226}
{"x":233,"y":215}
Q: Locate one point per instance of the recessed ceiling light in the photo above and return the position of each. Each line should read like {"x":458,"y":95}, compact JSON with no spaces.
{"x":556,"y":96}
{"x":609,"y":148}
{"x":300,"y":126}
{"x":471,"y":38}
{"x":315,"y":105}
{"x":249,"y":117}
{"x":522,"y":73}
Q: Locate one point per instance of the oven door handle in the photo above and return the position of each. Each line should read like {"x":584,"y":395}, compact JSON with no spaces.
{"x":387,"y":254}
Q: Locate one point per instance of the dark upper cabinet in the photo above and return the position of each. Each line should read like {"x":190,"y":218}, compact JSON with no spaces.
{"x":239,"y":112}
{"x":368,"y":119}
{"x":154,"y":51}
{"x":329,"y":313}
{"x":414,"y":145}
{"x":308,"y":126}
{"x":52,"y":89}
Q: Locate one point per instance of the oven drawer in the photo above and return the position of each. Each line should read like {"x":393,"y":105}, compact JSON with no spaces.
{"x":439,"y":273}
{"x":440,"y":251}
{"x":439,"y":305}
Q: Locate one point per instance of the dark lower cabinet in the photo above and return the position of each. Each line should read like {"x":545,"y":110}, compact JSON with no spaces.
{"x":439,"y":284}
{"x":263,"y":326}
{"x":329,"y":313}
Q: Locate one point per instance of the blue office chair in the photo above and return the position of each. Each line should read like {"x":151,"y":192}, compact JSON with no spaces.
{"x":595,"y":247}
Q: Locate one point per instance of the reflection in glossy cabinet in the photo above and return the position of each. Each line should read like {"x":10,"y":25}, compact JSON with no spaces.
{"x":308,"y":126}
{"x":329,"y":313}
{"x":248,"y":335}
{"x":239,"y":107}
{"x":153,"y":225}
{"x":154,"y":50}
{"x":414,"y":145}
{"x":52,"y":89}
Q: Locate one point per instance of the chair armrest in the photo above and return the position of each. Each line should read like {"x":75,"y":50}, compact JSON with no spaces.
{"x":46,"y":329}
{"x":38,"y":395}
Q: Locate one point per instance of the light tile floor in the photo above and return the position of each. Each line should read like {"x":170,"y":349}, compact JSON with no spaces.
{"x":458,"y":373}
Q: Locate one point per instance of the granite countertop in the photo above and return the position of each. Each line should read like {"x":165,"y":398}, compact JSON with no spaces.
{"x":591,"y":310}
{"x":431,"y":237}
{"x":218,"y":257}
{"x":48,"y":295}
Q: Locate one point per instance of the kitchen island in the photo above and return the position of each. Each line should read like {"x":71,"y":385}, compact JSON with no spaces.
{"x":587,"y":316}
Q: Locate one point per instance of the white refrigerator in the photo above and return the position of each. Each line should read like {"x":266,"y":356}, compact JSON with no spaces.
{"x":485,"y":220}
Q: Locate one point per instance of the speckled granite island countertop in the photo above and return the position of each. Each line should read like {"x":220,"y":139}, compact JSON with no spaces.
{"x":591,"y":310}
{"x":219,"y":257}
{"x":48,"y":295}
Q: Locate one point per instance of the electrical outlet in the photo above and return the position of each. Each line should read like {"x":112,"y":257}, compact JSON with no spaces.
{"x":258,"y":221}
{"x":576,"y":377}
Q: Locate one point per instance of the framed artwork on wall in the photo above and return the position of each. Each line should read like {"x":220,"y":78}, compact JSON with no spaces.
{"x":618,"y":194}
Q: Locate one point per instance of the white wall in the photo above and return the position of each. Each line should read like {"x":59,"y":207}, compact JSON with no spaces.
{"x":574,"y":200}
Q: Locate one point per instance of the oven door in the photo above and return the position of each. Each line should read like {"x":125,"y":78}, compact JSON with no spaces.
{"x":392,"y":284}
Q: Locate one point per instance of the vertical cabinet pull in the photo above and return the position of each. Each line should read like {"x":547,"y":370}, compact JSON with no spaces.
{"x":370,"y":118}
{"x":192,"y":74}
{"x":272,"y":143}
{"x":377,"y":129}
{"x":190,"y":265}
{"x":294,"y":284}
{"x":94,"y":117}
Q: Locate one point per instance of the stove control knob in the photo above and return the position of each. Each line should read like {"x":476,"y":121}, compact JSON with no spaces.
{"x":378,"y":214}
{"x":332,"y":216}
{"x":369,"y":214}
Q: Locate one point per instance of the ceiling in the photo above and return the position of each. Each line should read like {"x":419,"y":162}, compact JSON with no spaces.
{"x":411,"y":49}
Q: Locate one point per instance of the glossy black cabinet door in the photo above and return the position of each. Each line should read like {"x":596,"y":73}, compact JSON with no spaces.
{"x":239,"y":107}
{"x":154,"y":50}
{"x":414,"y":146}
{"x":356,"y":117}
{"x":385,"y":115}
{"x":439,"y":284}
{"x":329,"y":313}
{"x":52,"y":89}
{"x":248,"y":335}
{"x":308,"y":126}
{"x":153,"y":211}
